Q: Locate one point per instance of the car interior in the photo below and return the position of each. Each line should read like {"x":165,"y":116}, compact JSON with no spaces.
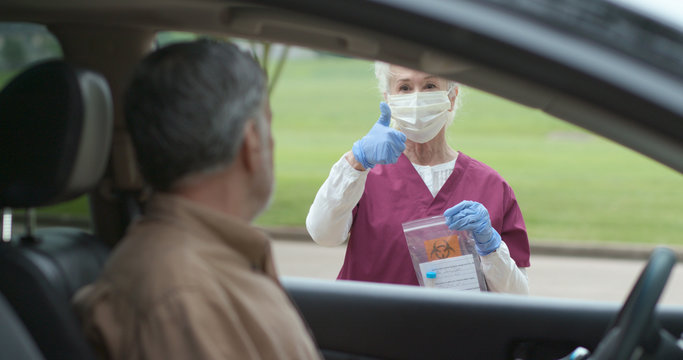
{"x":67,"y":112}
{"x":15,"y":341}
{"x":69,"y":135}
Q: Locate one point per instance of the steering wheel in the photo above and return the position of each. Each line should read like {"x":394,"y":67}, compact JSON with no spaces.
{"x":635,"y":324}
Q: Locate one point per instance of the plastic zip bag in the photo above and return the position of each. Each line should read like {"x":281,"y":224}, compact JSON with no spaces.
{"x":443,"y":258}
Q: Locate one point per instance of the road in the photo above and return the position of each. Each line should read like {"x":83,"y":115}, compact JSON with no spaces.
{"x":549,"y":276}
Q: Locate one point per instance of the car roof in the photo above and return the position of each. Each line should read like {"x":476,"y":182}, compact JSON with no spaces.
{"x":666,"y":11}
{"x":593,"y":63}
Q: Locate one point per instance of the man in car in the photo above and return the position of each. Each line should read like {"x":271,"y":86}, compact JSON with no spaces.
{"x":192,"y":279}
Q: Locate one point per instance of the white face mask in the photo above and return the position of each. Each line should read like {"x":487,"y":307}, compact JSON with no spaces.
{"x":420,"y":115}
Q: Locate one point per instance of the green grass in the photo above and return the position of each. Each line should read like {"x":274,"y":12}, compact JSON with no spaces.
{"x":571,"y":186}
{"x":6,"y":76}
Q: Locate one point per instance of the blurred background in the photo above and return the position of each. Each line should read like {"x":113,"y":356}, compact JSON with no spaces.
{"x":572,"y":186}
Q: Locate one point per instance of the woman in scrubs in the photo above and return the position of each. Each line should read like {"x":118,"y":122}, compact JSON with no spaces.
{"x":403,"y":170}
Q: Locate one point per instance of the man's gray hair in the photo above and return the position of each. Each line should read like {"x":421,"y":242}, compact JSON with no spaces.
{"x":187,"y":106}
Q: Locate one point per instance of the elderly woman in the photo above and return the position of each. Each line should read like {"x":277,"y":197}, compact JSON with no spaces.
{"x":408,"y":172}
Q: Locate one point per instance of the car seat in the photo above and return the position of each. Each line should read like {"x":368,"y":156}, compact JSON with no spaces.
{"x":15,"y":341}
{"x":55,"y":134}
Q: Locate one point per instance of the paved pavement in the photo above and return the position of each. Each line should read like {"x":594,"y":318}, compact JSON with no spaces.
{"x":601,"y":278}
{"x":580,"y":271}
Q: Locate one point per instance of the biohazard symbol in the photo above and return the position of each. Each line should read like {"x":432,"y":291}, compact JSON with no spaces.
{"x":443,"y":247}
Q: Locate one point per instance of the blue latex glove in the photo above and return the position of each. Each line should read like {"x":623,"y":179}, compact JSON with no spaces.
{"x":382,"y":144}
{"x":471,"y":215}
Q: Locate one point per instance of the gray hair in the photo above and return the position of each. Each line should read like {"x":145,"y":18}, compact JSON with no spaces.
{"x":383,"y":74}
{"x":187,"y":106}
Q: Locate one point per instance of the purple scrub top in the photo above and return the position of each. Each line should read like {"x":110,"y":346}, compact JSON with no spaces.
{"x":377,"y":249}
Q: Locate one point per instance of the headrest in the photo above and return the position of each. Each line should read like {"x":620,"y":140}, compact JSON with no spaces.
{"x":55,"y":134}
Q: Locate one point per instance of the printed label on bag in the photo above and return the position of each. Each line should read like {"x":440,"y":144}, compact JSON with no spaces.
{"x":457,"y":273}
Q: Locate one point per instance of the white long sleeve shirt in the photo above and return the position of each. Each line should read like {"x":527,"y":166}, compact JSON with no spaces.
{"x":330,"y":218}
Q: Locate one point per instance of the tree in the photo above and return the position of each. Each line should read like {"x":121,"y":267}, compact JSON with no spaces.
{"x":269,"y":61}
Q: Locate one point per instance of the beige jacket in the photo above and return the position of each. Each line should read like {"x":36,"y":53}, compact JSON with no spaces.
{"x":190,"y":283}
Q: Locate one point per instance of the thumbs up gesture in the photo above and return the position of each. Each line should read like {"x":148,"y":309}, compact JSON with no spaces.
{"x":382,"y":144}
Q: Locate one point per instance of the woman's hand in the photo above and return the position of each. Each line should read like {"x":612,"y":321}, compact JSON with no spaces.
{"x":382,"y":144}
{"x":471,"y":215}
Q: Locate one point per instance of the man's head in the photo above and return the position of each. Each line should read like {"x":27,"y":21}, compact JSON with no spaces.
{"x":189,"y":109}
